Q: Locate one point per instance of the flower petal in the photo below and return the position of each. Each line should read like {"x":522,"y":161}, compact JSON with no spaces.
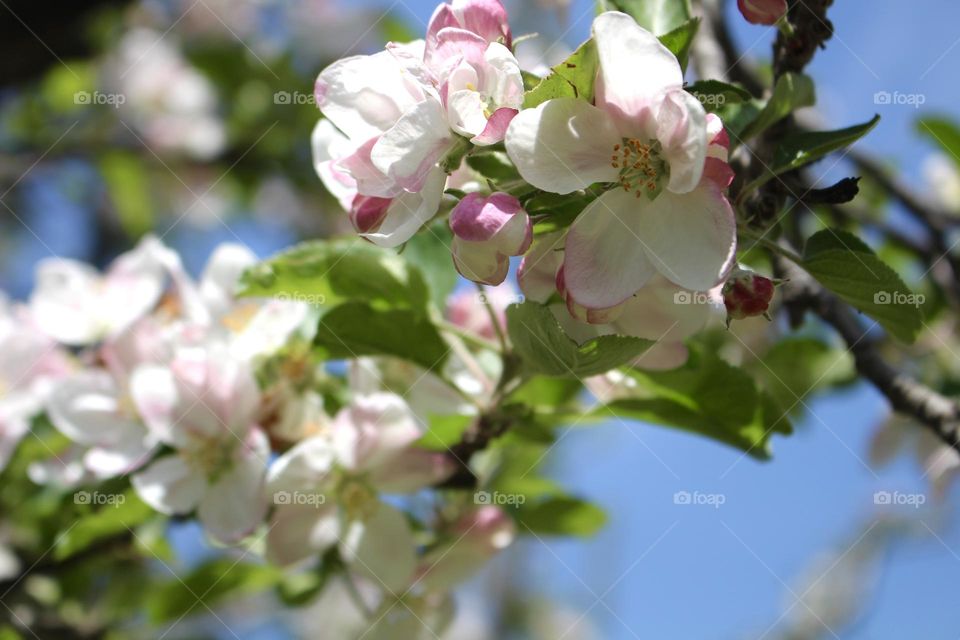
{"x":328,"y":145}
{"x":537,"y":273}
{"x":365,"y":95}
{"x":690,"y":238}
{"x":410,"y":211}
{"x":410,"y":149}
{"x":486,"y":18}
{"x":381,"y":547}
{"x":635,"y":67}
{"x":86,"y":407}
{"x":412,"y":470}
{"x":496,"y":129}
{"x":682,"y":129}
{"x":298,"y":532}
{"x":234,"y":504}
{"x":304,"y":467}
{"x":563,"y":145}
{"x":169,"y":486}
{"x":605,"y":262}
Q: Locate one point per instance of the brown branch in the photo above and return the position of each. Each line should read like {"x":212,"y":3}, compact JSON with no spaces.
{"x":907,"y":395}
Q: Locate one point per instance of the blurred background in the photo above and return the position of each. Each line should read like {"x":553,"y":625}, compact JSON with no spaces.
{"x":191,"y":119}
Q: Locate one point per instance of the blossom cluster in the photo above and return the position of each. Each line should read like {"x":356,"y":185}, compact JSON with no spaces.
{"x":211,"y":405}
{"x":399,"y":125}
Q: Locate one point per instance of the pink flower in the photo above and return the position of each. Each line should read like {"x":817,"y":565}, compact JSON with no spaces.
{"x":486,"y":19}
{"x":650,"y":140}
{"x":486,"y":232}
{"x":747,"y":294}
{"x":762,"y":11}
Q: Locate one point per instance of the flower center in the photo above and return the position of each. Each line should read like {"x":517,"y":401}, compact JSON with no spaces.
{"x":642,"y":169}
{"x":358,"y":499}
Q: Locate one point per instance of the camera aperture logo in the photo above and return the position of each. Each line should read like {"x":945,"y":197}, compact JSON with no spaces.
{"x":299,"y":498}
{"x":499,"y":499}
{"x":697,"y":498}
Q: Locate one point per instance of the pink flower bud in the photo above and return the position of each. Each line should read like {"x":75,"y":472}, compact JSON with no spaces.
{"x":487,"y":231}
{"x":747,"y":294}
{"x":762,"y":11}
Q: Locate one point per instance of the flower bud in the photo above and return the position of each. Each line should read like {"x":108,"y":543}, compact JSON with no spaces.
{"x":747,"y":294}
{"x":486,"y":232}
{"x":762,"y":11}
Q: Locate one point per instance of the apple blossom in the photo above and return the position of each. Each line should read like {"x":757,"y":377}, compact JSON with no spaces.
{"x":486,"y":232}
{"x":203,"y":405}
{"x":486,"y":19}
{"x":469,"y":544}
{"x":77,"y":306}
{"x":30,"y":365}
{"x":747,"y":294}
{"x":367,"y":451}
{"x":762,"y":11}
{"x":647,"y":137}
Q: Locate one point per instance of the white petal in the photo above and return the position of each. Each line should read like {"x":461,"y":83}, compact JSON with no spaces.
{"x":234,"y":505}
{"x":634,"y":66}
{"x":465,"y":113}
{"x":604,"y":260}
{"x":563,"y":145}
{"x":412,"y":470}
{"x":503,"y":82}
{"x":64,"y":301}
{"x":329,"y":145}
{"x":299,"y":532}
{"x":365,"y":95}
{"x":218,"y":284}
{"x":690,"y":238}
{"x":682,"y":128}
{"x":374,"y":429}
{"x":270,"y":329}
{"x":154,"y":392}
{"x":409,"y":150}
{"x":169,"y":485}
{"x":304,"y":467}
{"x":409,"y":212}
{"x":87,"y":408}
{"x":381,"y":547}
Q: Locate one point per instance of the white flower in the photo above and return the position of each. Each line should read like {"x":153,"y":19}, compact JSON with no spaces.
{"x":204,"y":406}
{"x":367,"y":452}
{"x":649,"y":140}
{"x":77,"y":306}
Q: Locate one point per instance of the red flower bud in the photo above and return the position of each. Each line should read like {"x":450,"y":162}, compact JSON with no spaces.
{"x":762,"y":11}
{"x":747,"y":294}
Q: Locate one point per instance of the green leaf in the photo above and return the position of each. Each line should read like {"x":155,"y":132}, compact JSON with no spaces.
{"x":120,"y":513}
{"x":546,"y":349}
{"x":573,"y":78}
{"x":328,"y":273}
{"x":128,"y":185}
{"x":680,"y":40}
{"x":495,"y":165}
{"x":553,"y":211}
{"x":300,"y":588}
{"x":943,"y":132}
{"x":707,"y":396}
{"x":800,"y":149}
{"x":429,"y":253}
{"x":212,"y":582}
{"x":793,"y":91}
{"x":444,"y":431}
{"x":357,"y":329}
{"x":561,"y":516}
{"x":656,"y":16}
{"x":842,"y":263}
{"x":714,"y":94}
{"x":796,"y":367}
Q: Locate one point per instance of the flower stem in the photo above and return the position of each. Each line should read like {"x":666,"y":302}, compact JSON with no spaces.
{"x":762,"y":240}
